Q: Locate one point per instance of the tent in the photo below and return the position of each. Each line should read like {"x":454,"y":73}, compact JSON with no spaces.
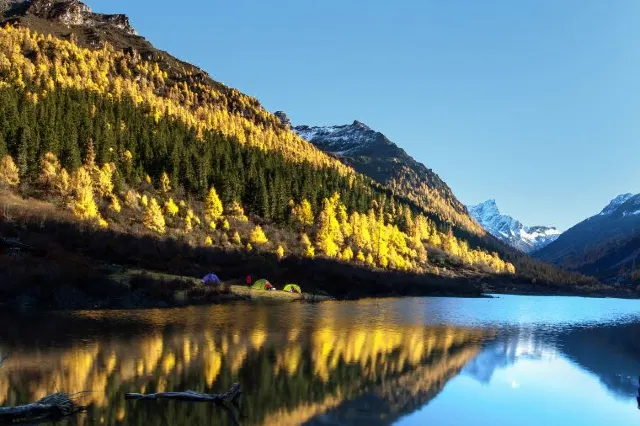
{"x":292,"y":288}
{"x":262,"y":285}
{"x":211,"y":279}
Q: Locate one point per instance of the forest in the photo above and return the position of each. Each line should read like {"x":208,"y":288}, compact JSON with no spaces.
{"x":120,"y":143}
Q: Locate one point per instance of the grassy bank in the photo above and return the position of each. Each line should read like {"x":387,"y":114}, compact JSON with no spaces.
{"x":189,"y":290}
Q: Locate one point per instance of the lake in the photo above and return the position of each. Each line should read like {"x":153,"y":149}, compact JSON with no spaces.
{"x":444,"y":361}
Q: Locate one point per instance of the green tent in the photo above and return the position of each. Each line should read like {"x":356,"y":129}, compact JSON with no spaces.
{"x":262,"y":285}
{"x":292,"y":288}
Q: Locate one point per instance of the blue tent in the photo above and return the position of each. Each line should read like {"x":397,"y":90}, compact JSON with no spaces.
{"x":211,"y":279}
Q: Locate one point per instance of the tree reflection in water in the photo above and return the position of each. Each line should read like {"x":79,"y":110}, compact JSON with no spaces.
{"x":293,"y":363}
{"x":367,"y":362}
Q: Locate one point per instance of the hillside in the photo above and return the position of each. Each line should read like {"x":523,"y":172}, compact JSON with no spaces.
{"x":604,"y":245}
{"x":373,"y":154}
{"x":511,"y":231}
{"x":119,"y":153}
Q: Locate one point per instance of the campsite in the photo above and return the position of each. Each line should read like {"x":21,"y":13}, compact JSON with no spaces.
{"x":166,"y":290}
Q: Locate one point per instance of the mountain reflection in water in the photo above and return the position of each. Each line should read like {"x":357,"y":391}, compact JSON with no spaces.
{"x":368,"y":362}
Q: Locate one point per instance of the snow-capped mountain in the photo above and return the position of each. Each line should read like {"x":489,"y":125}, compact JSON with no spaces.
{"x":373,"y":154}
{"x":348,"y":139}
{"x":602,"y":245}
{"x":615,"y":203}
{"x":525,"y":238}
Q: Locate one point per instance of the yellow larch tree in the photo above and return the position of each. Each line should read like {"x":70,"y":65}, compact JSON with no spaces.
{"x":307,"y":248}
{"x":9,"y":174}
{"x":236,"y":211}
{"x":49,"y":171}
{"x":103,"y":180}
{"x":328,"y":234}
{"x":347,"y":254}
{"x":165,"y":183}
{"x":171,"y":207}
{"x":303,"y":214}
{"x":153,"y":218}
{"x":114,"y":204}
{"x":258,"y":236}
{"x":212,"y":205}
{"x":83,"y":204}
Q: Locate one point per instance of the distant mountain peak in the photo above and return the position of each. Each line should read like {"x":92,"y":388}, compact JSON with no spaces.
{"x":615,"y":203}
{"x":489,"y":206}
{"x":360,"y":125}
{"x":602,"y":245}
{"x":375,"y":155}
{"x":510,"y":230}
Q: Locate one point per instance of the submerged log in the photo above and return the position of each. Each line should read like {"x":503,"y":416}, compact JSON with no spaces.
{"x":232,"y":395}
{"x":54,"y":406}
{"x":15,"y":244}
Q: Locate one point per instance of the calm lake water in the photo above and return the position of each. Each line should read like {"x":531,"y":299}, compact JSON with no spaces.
{"x":511,"y":360}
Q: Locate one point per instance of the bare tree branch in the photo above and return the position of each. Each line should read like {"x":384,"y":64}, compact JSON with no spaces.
{"x":232,"y":395}
{"x":51,"y":407}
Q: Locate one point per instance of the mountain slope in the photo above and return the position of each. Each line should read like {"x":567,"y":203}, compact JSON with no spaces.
{"x":601,"y":244}
{"x":373,"y":154}
{"x":212,"y":105}
{"x":525,"y":238}
{"x":121,"y":135}
{"x":116,"y":135}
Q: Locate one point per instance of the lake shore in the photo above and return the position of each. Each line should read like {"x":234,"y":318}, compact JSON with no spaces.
{"x":135,"y":288}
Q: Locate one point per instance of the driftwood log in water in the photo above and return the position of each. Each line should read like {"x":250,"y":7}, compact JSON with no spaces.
{"x":15,"y":244}
{"x":232,"y":395}
{"x":51,"y":407}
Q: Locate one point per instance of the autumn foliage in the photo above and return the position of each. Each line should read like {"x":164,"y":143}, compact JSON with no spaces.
{"x":140,"y":147}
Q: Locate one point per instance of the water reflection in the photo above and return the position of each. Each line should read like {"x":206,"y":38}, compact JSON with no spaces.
{"x":293,"y":363}
{"x":369,"y":362}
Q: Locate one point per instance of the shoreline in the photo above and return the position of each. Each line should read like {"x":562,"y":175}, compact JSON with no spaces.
{"x":157,"y":290}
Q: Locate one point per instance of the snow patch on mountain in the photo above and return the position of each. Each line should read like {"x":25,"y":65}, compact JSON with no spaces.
{"x":525,"y":238}
{"x":615,"y":203}
{"x":340,"y":140}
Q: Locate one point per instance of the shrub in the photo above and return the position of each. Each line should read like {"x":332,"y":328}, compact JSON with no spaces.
{"x":236,"y":239}
{"x":131,"y":199}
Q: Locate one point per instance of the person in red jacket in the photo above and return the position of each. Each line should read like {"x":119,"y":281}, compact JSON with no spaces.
{"x":248,"y":280}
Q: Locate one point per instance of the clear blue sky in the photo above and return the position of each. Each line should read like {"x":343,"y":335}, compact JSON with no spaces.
{"x":534,"y":103}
